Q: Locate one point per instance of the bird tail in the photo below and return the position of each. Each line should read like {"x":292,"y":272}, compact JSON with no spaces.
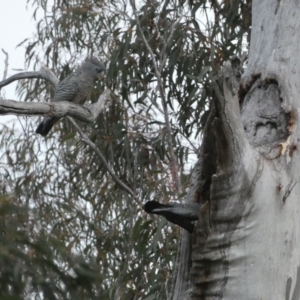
{"x":46,"y":125}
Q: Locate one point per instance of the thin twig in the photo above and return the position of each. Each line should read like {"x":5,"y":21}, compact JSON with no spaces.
{"x":195,"y":149}
{"x":86,"y":140}
{"x":5,"y":68}
{"x":163,"y":10}
{"x":168,"y":41}
{"x":126,"y":258}
{"x":174,"y":164}
{"x":132,"y":2}
{"x":5,"y":63}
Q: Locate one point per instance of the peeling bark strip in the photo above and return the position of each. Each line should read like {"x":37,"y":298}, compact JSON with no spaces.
{"x":230,"y":187}
{"x":199,"y":192}
{"x":230,"y":179}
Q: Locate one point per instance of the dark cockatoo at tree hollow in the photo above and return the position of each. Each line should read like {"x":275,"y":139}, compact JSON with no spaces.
{"x":182,"y":214}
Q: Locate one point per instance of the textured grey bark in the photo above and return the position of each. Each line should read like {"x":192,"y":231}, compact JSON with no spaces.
{"x":247,"y":242}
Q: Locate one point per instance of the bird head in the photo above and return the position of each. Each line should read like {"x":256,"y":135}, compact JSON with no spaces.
{"x":150,"y":205}
{"x":94,"y":67}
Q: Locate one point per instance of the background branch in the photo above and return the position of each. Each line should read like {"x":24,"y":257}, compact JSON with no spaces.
{"x":157,"y":71}
{"x":86,"y":140}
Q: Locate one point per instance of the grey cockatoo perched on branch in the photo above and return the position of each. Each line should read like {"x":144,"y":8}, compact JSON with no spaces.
{"x":75,"y":88}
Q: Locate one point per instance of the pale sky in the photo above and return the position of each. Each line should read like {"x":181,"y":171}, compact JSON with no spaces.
{"x":16,"y":25}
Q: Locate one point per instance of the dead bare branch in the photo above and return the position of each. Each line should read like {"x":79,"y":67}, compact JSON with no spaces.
{"x":5,"y":63}
{"x":56,"y":109}
{"x":43,"y":73}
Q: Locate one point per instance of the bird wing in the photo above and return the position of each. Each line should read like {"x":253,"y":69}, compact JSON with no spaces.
{"x":67,"y":89}
{"x":189,"y":211}
{"x":179,"y":214}
{"x":184,"y":223}
{"x":182,"y":214}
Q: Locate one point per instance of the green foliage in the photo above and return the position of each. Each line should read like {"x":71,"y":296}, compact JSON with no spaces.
{"x":69,"y":232}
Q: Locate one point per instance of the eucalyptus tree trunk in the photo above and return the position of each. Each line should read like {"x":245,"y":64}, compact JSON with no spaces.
{"x":247,"y":241}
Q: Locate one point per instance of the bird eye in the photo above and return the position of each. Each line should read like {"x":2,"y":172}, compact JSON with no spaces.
{"x":99,"y":70}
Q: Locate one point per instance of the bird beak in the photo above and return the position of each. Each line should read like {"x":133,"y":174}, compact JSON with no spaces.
{"x":101,"y":75}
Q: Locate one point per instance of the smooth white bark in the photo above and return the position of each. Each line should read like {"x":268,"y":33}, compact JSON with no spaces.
{"x":250,"y":247}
